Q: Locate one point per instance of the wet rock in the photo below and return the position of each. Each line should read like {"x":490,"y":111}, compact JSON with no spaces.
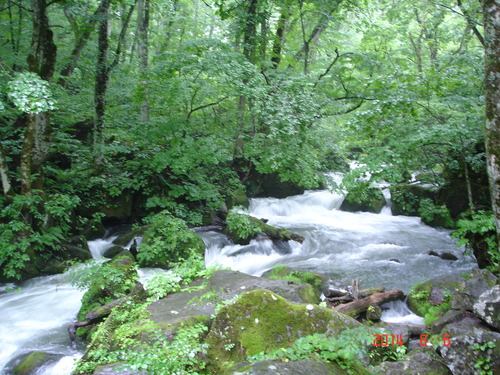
{"x":308,"y":367}
{"x":30,"y":363}
{"x":488,"y":307}
{"x":445,"y":255}
{"x":374,"y":313}
{"x":396,"y":260}
{"x":465,"y":351}
{"x":418,"y":362}
{"x":369,"y":199}
{"x":112,"y":251}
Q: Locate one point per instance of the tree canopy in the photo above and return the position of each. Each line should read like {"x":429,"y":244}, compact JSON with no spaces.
{"x":182,"y":104}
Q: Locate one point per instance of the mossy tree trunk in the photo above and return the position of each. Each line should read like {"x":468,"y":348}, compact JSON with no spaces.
{"x":491,"y":14}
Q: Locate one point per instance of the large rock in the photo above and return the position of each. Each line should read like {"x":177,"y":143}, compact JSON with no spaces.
{"x":222,"y":285}
{"x":370,"y":199}
{"x":488,"y":307}
{"x":302,"y":367}
{"x":418,"y":362}
{"x":464,"y":352}
{"x":262,"y":321}
{"x":29,"y":363}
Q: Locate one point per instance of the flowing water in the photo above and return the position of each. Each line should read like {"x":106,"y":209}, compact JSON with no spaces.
{"x":377,"y":249}
{"x":386,"y":250}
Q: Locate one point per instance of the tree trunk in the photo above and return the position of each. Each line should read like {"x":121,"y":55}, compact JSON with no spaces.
{"x":358,"y":307}
{"x":143,"y":38}
{"x":81,"y":41}
{"x":4,"y":173}
{"x":41,"y":60}
{"x":491,"y":14}
{"x":279,"y":39}
{"x":101,"y":81}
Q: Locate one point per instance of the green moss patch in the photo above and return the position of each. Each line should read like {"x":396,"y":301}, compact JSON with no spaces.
{"x":261,"y":321}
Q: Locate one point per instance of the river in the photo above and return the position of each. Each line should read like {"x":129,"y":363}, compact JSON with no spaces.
{"x":378,"y":249}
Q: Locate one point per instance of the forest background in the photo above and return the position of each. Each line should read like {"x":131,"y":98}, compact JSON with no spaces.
{"x":113,"y":111}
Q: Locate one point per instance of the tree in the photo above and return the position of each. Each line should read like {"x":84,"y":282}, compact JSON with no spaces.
{"x":491,"y":14}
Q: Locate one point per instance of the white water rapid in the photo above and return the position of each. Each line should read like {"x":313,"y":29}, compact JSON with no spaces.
{"x":378,"y":249}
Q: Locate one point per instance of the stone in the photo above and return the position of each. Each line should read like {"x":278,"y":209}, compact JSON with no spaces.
{"x":262,"y":321}
{"x":32,"y":362}
{"x":371,"y":199}
{"x":488,"y":307}
{"x":302,"y":367}
{"x":463,"y":352}
{"x":418,"y":362}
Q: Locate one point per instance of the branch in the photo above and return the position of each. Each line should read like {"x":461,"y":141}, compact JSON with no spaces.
{"x":20,"y":6}
{"x":122,"y":36}
{"x":337,"y":57}
{"x":206,"y":106}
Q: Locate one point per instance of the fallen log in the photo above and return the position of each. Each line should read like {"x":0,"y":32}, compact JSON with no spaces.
{"x":358,"y":307}
{"x":369,"y":291}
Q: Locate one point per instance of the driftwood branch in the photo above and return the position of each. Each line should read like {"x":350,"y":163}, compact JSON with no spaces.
{"x":356,"y":308}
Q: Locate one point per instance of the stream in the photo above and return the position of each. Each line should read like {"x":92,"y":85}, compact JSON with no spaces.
{"x":377,"y":249}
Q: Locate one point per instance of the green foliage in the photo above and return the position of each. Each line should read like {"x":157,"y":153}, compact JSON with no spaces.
{"x":420,"y":294}
{"x":345,"y":349}
{"x":240,"y":225}
{"x":33,"y":226}
{"x":483,"y":362}
{"x":434,"y":215}
{"x":30,"y":93}
{"x":476,"y":230}
{"x":168,"y":241}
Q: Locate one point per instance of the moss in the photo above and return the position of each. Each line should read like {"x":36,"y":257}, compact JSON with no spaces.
{"x":33,"y":361}
{"x":118,"y":279}
{"x":263,"y":321}
{"x":431,"y":308}
{"x":314,"y":281}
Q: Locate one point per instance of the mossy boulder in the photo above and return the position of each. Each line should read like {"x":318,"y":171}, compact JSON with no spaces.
{"x":432,"y":299}
{"x":406,"y":198}
{"x":309,"y":367}
{"x":32,"y":362}
{"x":365,"y":198}
{"x":262,"y":321}
{"x":116,"y":279}
{"x":125,"y":238}
{"x":316,"y":280}
{"x":200,"y":304}
{"x":243,"y":228}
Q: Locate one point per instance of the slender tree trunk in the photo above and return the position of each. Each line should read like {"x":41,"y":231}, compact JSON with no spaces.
{"x":101,"y":81}
{"x":41,"y":60}
{"x":279,"y":38}
{"x":491,"y":14}
{"x":143,"y":39}
{"x":82,"y":38}
{"x":4,"y":173}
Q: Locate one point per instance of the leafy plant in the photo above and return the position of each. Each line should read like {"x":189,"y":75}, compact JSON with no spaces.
{"x":241,"y":225}
{"x":344,"y":349}
{"x":168,"y":242}
{"x":483,"y":362}
{"x":30,"y":93}
{"x":479,"y":232}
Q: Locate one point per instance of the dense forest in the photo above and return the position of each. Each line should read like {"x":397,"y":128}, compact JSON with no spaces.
{"x":168,"y":115}
{"x":115,"y":110}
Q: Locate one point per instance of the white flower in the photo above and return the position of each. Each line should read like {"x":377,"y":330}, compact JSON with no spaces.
{"x":310,"y":307}
{"x":256,"y":320}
